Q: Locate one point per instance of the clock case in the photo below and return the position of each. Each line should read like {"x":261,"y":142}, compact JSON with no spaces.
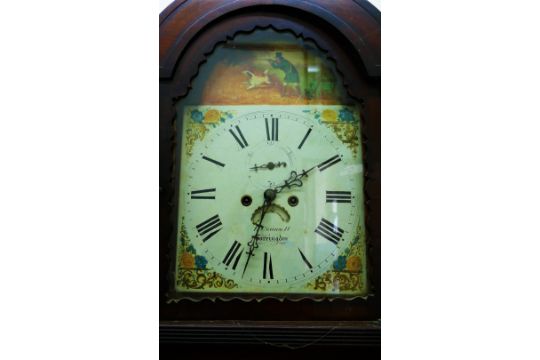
{"x":350,"y":33}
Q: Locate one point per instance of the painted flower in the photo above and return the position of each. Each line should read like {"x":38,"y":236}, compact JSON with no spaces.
{"x":187,"y":261}
{"x":191,"y":249}
{"x":197,"y":116}
{"x":353,"y":263}
{"x":212,"y":116}
{"x":340,"y":263}
{"x":200,"y":262}
{"x":346,"y":115}
{"x":329,"y":115}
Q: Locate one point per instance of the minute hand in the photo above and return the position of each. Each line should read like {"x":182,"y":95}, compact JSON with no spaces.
{"x":295,"y":179}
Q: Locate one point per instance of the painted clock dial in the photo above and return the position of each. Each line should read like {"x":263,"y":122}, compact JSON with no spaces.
{"x":271,"y":201}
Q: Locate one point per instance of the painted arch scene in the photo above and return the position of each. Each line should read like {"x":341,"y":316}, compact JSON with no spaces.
{"x":268,"y":67}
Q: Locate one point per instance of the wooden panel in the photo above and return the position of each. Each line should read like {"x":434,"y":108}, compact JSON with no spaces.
{"x":290,"y":335}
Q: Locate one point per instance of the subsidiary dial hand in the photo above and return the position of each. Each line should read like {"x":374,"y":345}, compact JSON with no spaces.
{"x":269,"y":166}
{"x":295,"y":179}
{"x":269,"y":196}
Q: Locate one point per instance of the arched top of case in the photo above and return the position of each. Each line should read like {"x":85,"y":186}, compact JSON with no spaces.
{"x":355,"y":25}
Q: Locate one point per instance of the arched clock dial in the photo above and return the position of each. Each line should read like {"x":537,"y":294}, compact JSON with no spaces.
{"x":314,"y":214}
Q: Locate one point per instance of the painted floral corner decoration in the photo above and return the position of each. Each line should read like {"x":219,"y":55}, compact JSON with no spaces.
{"x":188,"y":254}
{"x":192,"y":272}
{"x":200,"y":120}
{"x":347,"y":273}
{"x":209,"y":116}
{"x":190,"y":259}
{"x":342,"y":121}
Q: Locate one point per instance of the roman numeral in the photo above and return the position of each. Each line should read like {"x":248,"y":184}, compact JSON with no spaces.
{"x":205,"y":194}
{"x":213,"y":161}
{"x":209,"y":227}
{"x":326,"y":164}
{"x":240,"y":137}
{"x":233,"y":251}
{"x":329,"y":231}
{"x":268,"y":266}
{"x":304,"y":139}
{"x":272,"y":136}
{"x":338,"y":196}
{"x":305,"y":260}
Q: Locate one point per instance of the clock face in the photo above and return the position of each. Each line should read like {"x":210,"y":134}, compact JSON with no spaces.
{"x":271,"y":201}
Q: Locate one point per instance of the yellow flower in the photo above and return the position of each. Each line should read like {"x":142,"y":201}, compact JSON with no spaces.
{"x":212,"y":116}
{"x":329,"y":115}
{"x":187,"y":261}
{"x":353,"y":263}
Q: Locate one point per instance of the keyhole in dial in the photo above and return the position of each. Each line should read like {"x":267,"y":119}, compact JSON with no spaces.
{"x":246,"y":200}
{"x":293,"y":200}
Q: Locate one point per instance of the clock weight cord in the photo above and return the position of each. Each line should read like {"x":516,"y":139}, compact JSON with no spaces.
{"x":269,"y":196}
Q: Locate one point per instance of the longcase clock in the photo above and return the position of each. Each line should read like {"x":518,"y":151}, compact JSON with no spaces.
{"x":270,"y":171}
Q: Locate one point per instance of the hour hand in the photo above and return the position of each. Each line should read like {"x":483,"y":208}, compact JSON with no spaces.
{"x":295,"y":179}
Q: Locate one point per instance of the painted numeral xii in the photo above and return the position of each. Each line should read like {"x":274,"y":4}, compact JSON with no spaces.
{"x":272,"y":135}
